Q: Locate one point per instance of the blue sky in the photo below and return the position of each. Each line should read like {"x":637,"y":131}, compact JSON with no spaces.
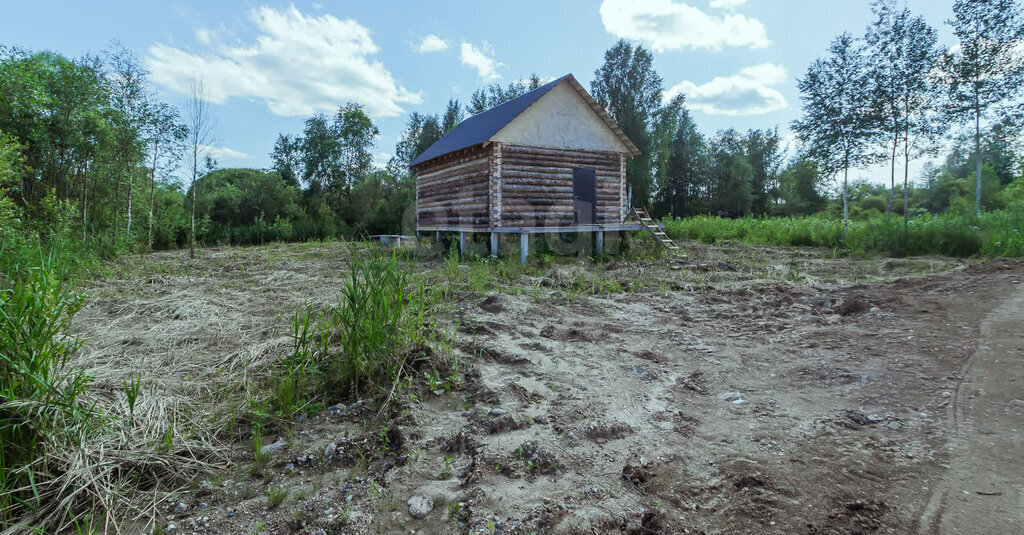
{"x":269,"y":65}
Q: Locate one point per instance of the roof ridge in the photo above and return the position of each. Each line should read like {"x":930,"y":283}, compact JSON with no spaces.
{"x":476,"y":129}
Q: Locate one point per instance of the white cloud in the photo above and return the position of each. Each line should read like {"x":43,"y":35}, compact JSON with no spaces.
{"x":668,"y":25}
{"x":749,"y":92}
{"x":298,"y":65}
{"x":381,"y":159}
{"x":727,"y":4}
{"x":223,"y":152}
{"x":481,"y":59}
{"x":204,"y":35}
{"x":431,"y":43}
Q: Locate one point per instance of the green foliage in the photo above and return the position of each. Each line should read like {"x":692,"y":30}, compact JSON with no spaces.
{"x":363,"y":345}
{"x":958,"y":233}
{"x":260,"y":457}
{"x":379,"y":319}
{"x":131,"y":389}
{"x":629,"y":88}
{"x":799,"y":189}
{"x":245,"y":206}
{"x":39,"y":405}
{"x":276,"y":496}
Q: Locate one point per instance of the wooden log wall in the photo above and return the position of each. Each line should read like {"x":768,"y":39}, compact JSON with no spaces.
{"x":536,"y":185}
{"x":623,"y":209}
{"x":454,"y":193}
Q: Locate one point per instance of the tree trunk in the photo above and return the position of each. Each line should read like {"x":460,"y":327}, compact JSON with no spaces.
{"x":846,"y":211}
{"x":117,"y":199}
{"x":152,"y":197}
{"x":192,"y":225}
{"x":906,"y":177}
{"x":977,"y":151}
{"x":906,"y":164}
{"x":892,"y":175}
{"x":85,"y":200}
{"x":128,"y":227}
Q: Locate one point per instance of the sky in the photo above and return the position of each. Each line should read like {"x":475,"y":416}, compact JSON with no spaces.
{"x":267,"y":66}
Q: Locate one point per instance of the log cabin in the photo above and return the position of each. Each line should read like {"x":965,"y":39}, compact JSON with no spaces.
{"x":549,"y":161}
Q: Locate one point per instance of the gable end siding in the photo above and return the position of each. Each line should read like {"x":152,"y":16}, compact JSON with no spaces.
{"x":561,"y":119}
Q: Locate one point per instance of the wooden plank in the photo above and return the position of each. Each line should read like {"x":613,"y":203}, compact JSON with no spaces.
{"x":515,"y":149}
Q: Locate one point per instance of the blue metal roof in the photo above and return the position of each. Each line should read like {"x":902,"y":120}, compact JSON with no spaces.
{"x":482,"y":126}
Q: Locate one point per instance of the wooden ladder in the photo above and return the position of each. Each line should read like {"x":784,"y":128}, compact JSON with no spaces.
{"x":652,"y":227}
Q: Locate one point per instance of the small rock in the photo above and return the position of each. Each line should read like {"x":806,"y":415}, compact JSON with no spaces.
{"x":858,"y":418}
{"x":203,"y":505}
{"x":420,"y":506}
{"x":271,"y":448}
{"x":180,"y":508}
{"x":170,"y":527}
{"x":945,"y":394}
{"x":301,"y":418}
{"x":319,"y":532}
{"x":289,"y":468}
{"x":336,"y":410}
{"x":497,"y":412}
{"x":732,"y":397}
{"x":330,"y":450}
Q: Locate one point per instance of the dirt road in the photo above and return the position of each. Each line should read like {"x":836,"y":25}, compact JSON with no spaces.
{"x":983,"y":490}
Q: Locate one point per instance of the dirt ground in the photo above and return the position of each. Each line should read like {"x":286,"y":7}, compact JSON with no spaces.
{"x":732,"y":390}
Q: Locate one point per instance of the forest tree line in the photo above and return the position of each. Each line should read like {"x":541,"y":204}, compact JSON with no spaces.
{"x":89,"y":152}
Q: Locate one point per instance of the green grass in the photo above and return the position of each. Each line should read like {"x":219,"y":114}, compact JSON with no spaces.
{"x":363,"y":346}
{"x":996,"y":233}
{"x":39,"y":395}
{"x":276,"y":496}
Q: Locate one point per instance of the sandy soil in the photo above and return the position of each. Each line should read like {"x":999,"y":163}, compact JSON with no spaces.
{"x":734,"y":390}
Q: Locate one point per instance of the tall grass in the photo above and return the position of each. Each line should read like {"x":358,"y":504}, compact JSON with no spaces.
{"x":996,"y":233}
{"x":39,"y":395}
{"x":364,"y":345}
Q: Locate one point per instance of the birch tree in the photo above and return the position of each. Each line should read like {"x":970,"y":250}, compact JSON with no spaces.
{"x":984,"y":72}
{"x":837,"y":124}
{"x":131,"y":103}
{"x":200,"y":135}
{"x":165,"y":136}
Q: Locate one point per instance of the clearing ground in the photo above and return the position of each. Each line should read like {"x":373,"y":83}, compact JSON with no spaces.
{"x":734,"y":390}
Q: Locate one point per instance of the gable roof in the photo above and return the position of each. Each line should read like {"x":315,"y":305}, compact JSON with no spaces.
{"x":481,"y":127}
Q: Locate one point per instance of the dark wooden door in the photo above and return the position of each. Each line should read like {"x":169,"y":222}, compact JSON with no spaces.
{"x":584,"y":195}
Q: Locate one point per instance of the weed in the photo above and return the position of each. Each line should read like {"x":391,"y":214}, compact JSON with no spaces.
{"x":260,"y":457}
{"x":131,"y":393}
{"x":276,"y":496}
{"x":364,"y":343}
{"x":453,"y":510}
{"x":446,"y":468}
{"x":41,"y":407}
